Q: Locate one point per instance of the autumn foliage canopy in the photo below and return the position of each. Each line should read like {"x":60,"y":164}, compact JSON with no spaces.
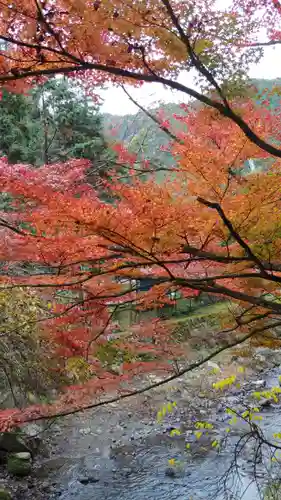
{"x":210,"y":227}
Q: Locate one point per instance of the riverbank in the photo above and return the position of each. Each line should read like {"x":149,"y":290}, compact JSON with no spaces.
{"x":113,"y":450}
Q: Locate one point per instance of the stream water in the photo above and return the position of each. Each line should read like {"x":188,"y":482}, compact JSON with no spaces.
{"x":138,"y":470}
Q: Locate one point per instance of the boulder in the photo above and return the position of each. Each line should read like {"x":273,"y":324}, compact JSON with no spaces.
{"x":23,"y":455}
{"x":12,"y":442}
{"x":170,"y":472}
{"x":32,"y":430}
{"x":5,"y":495}
{"x":89,"y":480}
{"x":265,"y":402}
{"x":32,"y":434}
{"x":3,"y":457}
{"x":19,"y":464}
{"x":259,"y":384}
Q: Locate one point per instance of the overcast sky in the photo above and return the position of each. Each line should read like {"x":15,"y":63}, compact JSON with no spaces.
{"x":116,"y":101}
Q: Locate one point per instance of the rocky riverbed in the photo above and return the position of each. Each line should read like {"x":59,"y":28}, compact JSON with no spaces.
{"x":120,"y":451}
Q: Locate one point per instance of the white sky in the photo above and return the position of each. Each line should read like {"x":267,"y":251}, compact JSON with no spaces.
{"x":116,"y":101}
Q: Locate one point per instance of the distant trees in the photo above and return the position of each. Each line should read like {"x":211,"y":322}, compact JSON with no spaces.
{"x":54,"y":122}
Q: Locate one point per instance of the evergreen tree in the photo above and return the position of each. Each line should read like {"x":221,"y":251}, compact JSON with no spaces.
{"x":20,"y":134}
{"x":54,"y":123}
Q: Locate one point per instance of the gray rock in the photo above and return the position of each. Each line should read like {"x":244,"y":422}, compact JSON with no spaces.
{"x":12,"y":442}
{"x":170,"y":472}
{"x":265,"y":402}
{"x":259,"y":384}
{"x":127,"y":471}
{"x":23,"y":455}
{"x":33,"y":436}
{"x":18,"y":465}
{"x":89,"y":480}
{"x":220,"y":408}
{"x":85,"y":431}
{"x":32,"y":430}
{"x":52,"y":465}
{"x":33,"y":433}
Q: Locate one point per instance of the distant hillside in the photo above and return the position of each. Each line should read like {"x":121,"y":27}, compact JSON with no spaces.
{"x":143,"y":135}
{"x":140,"y":133}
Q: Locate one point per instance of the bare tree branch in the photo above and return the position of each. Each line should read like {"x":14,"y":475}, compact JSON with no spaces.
{"x":79,"y":65}
{"x":152,"y":117}
{"x":234,"y":233}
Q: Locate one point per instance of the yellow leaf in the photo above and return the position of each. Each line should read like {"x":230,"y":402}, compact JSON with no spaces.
{"x":277,"y":435}
{"x":215,"y":371}
{"x":175,"y":432}
{"x":225,"y":382}
{"x":202,"y":45}
{"x":169,"y":407}
{"x":159,"y":416}
{"x":209,"y":426}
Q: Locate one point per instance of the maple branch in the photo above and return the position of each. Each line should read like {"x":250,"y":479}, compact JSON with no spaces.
{"x":228,"y":292}
{"x":233,"y":232}
{"x":37,"y":46}
{"x":230,"y":173}
{"x":4,"y":223}
{"x":82,"y":65}
{"x":164,"y":263}
{"x":197,"y":63}
{"x":264,"y":44}
{"x":85,"y":66}
{"x":87,"y":261}
{"x":189,"y":283}
{"x":140,"y":171}
{"x":200,"y":254}
{"x":241,"y":275}
{"x":90,"y":343}
{"x":180,"y":373}
{"x":43,"y":19}
{"x":227,"y":259}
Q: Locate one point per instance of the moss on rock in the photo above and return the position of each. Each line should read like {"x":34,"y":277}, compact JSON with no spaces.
{"x":5,"y":495}
{"x":19,"y":465}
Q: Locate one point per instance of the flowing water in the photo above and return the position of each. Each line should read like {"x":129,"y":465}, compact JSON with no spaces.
{"x":138,"y":470}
